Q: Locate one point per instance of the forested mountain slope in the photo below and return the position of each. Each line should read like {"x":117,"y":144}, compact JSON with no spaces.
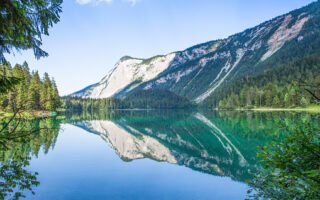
{"x":284,"y":86}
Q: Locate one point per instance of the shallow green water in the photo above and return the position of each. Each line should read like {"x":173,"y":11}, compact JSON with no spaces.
{"x":168,"y":154}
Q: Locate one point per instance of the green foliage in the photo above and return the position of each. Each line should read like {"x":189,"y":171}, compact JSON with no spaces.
{"x":142,"y":99}
{"x":29,"y":93}
{"x":77,"y":104}
{"x":156,"y":98}
{"x":277,"y":87}
{"x":23,"y":22}
{"x":7,"y":80}
{"x":290,"y":168}
{"x":303,"y":102}
{"x":33,"y":97}
{"x":276,"y":102}
{"x":7,"y":83}
{"x":21,"y":25}
{"x":18,"y":140}
{"x":14,"y":174}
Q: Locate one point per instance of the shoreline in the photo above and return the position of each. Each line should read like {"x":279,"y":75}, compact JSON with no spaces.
{"x":35,"y":114}
{"x":308,"y":109}
{"x":285,"y":109}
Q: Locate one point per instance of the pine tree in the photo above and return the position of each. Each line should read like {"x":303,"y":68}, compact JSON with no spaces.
{"x":33,"y":102}
{"x":19,"y":93}
{"x":292,"y":94}
{"x":5,"y":71}
{"x":56,"y":97}
{"x":275,"y":102}
{"x":270,"y":92}
{"x":260,"y":93}
{"x":222,"y":104}
{"x":303,"y":102}
{"x":287,"y":101}
{"x":26,"y":76}
{"x":43,"y":96}
{"x":243,"y":95}
{"x":30,"y":93}
{"x":50,"y":103}
{"x":250,"y":96}
{"x":46,"y":95}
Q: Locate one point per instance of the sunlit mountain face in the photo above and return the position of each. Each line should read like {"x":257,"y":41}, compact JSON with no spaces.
{"x":205,"y":72}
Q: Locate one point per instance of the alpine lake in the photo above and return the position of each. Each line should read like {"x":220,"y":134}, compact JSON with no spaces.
{"x":149,"y":154}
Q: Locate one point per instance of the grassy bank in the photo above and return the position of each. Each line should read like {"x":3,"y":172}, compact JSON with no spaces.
{"x":311,"y":108}
{"x":28,"y":114}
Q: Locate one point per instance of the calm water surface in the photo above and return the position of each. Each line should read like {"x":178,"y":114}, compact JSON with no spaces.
{"x":151,"y":154}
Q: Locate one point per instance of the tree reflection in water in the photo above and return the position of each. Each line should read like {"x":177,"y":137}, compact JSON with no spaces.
{"x":217,"y":143}
{"x":16,"y":152}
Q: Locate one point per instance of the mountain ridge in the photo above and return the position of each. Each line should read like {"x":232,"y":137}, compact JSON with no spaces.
{"x":200,"y":71}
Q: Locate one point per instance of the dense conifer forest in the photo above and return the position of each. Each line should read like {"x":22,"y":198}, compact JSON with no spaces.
{"x":85,"y":104}
{"x":31,"y":92}
{"x":142,"y":99}
{"x":280,"y":87}
{"x":156,"y":98}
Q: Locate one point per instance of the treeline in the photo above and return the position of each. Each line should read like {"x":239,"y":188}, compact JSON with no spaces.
{"x":142,"y":99}
{"x":282,"y":87}
{"x":31,"y":92}
{"x":89,"y":105}
{"x":156,"y":99}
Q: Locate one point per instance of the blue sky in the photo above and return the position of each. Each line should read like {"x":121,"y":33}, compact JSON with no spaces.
{"x":93,"y":34}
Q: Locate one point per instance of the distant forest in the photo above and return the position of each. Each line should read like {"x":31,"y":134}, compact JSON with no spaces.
{"x":142,"y":99}
{"x":280,"y":87}
{"x":78,"y":104}
{"x":31,"y":92}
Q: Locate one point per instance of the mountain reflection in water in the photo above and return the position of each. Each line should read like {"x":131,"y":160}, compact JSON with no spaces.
{"x":211,"y":142}
{"x":218,"y":143}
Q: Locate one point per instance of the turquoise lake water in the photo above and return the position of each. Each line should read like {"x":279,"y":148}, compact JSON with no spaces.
{"x":165,"y":154}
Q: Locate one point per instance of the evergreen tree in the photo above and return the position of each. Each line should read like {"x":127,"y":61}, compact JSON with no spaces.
{"x":243,"y":95}
{"x":43,"y":96}
{"x":19,"y":92}
{"x":250,"y":96}
{"x":303,"y":102}
{"x":270,"y":92}
{"x":55,"y":95}
{"x":282,"y":81}
{"x":276,"y":102}
{"x":46,"y":95}
{"x":33,"y":102}
{"x":287,"y":101}
{"x":30,"y":93}
{"x":233,"y":101}
{"x":26,"y":76}
{"x":23,"y":23}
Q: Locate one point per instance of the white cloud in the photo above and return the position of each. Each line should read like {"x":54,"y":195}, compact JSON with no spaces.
{"x":107,"y":1}
{"x":96,"y":2}
{"x":133,"y":2}
{"x":82,"y":2}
